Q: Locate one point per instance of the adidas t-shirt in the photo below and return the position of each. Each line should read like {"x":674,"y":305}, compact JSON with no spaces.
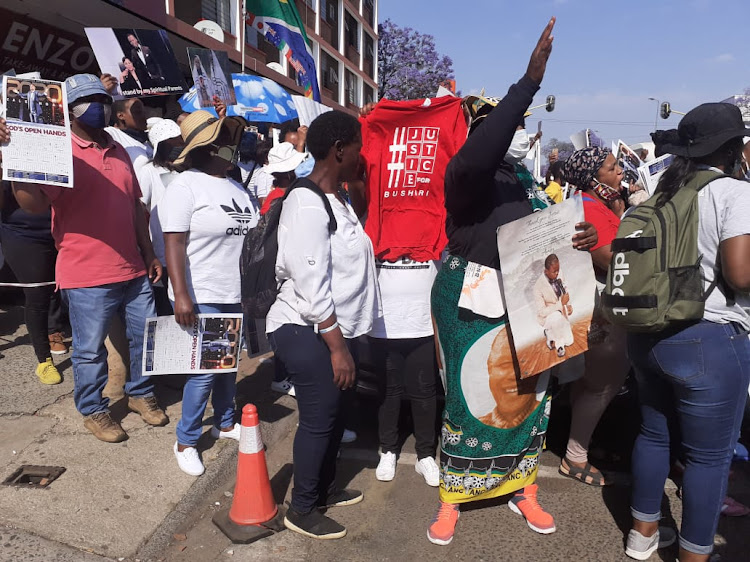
{"x":216,"y":213}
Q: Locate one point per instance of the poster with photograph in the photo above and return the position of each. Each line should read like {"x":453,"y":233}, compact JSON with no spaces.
{"x":628,"y":161}
{"x":549,"y":287}
{"x":211,"y":345}
{"x":211,"y":76}
{"x":142,"y":60}
{"x":651,"y":172}
{"x":40,"y":149}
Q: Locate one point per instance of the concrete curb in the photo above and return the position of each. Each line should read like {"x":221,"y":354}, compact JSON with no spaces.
{"x":217,"y":474}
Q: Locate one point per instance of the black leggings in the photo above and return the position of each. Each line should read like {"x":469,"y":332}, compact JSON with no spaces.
{"x":406,"y":366}
{"x":34,"y":262}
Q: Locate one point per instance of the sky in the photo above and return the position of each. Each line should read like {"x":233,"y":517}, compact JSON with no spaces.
{"x":608,"y":58}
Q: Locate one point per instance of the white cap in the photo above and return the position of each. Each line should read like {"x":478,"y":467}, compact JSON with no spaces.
{"x":284,"y":158}
{"x":161,"y":130}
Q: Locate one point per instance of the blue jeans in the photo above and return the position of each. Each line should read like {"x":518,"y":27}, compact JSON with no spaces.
{"x":321,"y":424}
{"x":198,"y":387}
{"x":91,"y":310}
{"x":693,"y":382}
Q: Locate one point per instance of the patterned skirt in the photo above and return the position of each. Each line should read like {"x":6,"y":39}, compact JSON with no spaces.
{"x":494,"y":423}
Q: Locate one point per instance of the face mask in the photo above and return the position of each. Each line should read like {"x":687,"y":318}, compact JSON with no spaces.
{"x":94,"y":114}
{"x":228,"y":153}
{"x":605,"y":192}
{"x":519,"y":147}
{"x":174,"y":153}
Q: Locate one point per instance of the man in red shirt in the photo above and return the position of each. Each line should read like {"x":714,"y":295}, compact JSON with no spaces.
{"x":105,"y":257}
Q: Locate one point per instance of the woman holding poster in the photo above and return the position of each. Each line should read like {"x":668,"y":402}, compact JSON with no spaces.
{"x":204,"y":216}
{"x":494,"y":422}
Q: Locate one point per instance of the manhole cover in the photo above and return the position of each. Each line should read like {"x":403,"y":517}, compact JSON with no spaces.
{"x":33,"y":476}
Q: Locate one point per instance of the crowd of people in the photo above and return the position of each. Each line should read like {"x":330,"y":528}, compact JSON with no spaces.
{"x":151,"y":227}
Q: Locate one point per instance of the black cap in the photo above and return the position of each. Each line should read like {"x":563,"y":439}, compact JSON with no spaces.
{"x":702,"y":131}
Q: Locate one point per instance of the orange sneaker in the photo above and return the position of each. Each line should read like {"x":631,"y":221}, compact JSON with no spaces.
{"x":444,"y":524}
{"x":524,"y":503}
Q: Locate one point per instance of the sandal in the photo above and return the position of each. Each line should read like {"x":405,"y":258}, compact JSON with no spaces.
{"x":585,"y":474}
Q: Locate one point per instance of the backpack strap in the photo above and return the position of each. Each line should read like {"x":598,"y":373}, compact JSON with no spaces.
{"x":702,"y":178}
{"x":250,"y":175}
{"x":312,"y":186}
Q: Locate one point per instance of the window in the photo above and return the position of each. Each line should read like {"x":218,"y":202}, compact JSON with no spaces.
{"x":352,"y":88}
{"x":369,"y":47}
{"x":219,"y":11}
{"x":351,"y":31}
{"x":329,"y":10}
{"x":369,"y":94}
{"x":329,"y":71}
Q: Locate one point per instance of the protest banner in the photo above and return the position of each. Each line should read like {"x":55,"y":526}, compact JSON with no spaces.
{"x":210,"y":345}
{"x":40,"y":147}
{"x":142,"y":60}
{"x":211,"y":76}
{"x":549,"y":287}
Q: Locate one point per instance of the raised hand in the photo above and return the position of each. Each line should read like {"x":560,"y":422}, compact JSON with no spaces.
{"x":540,"y":56}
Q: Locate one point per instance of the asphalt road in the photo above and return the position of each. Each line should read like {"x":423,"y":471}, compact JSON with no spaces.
{"x":391,"y":523}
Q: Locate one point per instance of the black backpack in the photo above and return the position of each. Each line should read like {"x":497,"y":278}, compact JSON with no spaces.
{"x":259,"y":250}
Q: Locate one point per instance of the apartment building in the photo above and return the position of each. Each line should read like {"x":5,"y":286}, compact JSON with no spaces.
{"x":49,"y":37}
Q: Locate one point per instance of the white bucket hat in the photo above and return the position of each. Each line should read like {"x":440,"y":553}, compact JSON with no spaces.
{"x":284,"y":158}
{"x":161,"y":130}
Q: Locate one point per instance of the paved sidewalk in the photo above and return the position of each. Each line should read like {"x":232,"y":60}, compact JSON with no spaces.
{"x":114,"y":500}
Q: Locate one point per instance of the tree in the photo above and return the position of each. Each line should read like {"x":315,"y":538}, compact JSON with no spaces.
{"x":409,"y":67}
{"x":564,"y":148}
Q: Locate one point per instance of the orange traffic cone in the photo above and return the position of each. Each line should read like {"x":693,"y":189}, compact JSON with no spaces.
{"x":254,"y":513}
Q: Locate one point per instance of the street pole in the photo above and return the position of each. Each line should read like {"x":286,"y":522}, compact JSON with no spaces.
{"x":244,"y":28}
{"x":656,"y":118}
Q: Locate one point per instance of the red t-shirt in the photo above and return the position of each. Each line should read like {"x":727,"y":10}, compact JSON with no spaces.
{"x":605,"y":221}
{"x":276,"y":193}
{"x":93,"y":223}
{"x":407,"y":146}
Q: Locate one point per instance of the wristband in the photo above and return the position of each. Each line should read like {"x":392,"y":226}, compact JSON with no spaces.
{"x":330,"y":328}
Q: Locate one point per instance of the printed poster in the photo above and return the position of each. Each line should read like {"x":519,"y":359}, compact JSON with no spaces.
{"x":211,"y":76}
{"x":651,"y":172}
{"x":40,"y":148}
{"x":549,"y":286}
{"x":629,"y":162}
{"x":142,"y":60}
{"x":211,"y":345}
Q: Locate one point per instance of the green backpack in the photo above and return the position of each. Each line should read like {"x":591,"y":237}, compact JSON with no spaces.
{"x":655,"y":277}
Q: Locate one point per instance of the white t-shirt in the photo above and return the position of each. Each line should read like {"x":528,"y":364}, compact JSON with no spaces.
{"x":216,"y":213}
{"x":154,"y":181}
{"x":323,"y":273}
{"x":724,"y":207}
{"x":140,"y":153}
{"x":405,"y":288}
{"x":261,"y":183}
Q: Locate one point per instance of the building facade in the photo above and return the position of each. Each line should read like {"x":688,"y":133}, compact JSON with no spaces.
{"x":49,"y":37}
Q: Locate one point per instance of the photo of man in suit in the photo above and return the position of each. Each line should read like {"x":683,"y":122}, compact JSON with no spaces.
{"x":33,"y":109}
{"x":553,"y":308}
{"x":144,"y":60}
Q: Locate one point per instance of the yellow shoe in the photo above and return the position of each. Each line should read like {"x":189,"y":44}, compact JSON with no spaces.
{"x":48,"y":373}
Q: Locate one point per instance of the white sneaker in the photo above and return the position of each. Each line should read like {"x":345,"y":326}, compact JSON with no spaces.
{"x":283,"y":387}
{"x":189,"y":461}
{"x":386,"y":467}
{"x":349,"y":436}
{"x":428,"y":468}
{"x":233,"y":433}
